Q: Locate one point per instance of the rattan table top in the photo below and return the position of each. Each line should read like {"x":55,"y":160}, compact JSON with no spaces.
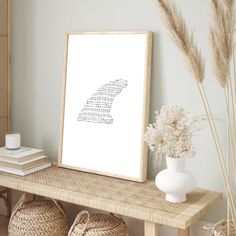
{"x":138,"y":200}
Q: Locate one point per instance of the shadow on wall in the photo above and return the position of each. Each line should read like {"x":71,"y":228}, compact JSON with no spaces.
{"x":156,"y":96}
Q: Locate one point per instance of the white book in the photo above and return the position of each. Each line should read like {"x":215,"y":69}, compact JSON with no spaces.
{"x":22,"y":162}
{"x":25,"y":172}
{"x":20,"y":155}
{"x":35,"y":161}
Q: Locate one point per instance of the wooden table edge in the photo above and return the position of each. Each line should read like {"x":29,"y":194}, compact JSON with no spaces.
{"x":198,"y":210}
{"x":181,"y":221}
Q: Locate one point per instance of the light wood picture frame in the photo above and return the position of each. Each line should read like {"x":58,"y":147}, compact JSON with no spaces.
{"x":105,"y":103}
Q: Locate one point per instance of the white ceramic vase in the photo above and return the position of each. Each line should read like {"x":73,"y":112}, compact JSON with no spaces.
{"x":175,"y":181}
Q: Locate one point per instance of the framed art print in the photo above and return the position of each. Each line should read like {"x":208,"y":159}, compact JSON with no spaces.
{"x":105,"y":103}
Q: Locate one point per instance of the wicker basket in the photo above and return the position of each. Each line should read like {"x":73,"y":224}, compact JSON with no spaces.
{"x":221,"y":228}
{"x":87,"y":224}
{"x":38,"y":217}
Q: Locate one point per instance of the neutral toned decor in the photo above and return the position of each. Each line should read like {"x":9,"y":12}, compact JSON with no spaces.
{"x":105,"y":103}
{"x":98,"y":225}
{"x":5,"y":194}
{"x":13,"y":141}
{"x":37,"y":217}
{"x":222,"y":228}
{"x":138,"y":200}
{"x":222,"y":46}
{"x":171,"y":135}
{"x":175,"y":181}
{"x":23,"y":161}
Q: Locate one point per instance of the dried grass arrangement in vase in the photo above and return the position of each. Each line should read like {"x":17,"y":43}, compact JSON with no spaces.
{"x":222,"y":46}
{"x":171,"y":135}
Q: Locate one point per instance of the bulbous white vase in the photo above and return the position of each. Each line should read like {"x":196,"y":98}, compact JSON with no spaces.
{"x":175,"y":181}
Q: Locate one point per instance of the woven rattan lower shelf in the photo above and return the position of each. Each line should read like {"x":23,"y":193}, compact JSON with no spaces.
{"x":137,"y":200}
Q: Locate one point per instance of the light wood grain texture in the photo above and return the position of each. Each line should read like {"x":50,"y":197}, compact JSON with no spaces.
{"x":9,"y":65}
{"x":3,"y":76}
{"x":184,"y":232}
{"x":3,"y":16}
{"x":138,"y":200}
{"x":3,"y":130}
{"x":63,"y":94}
{"x":146,"y":104}
{"x":151,"y":229}
{"x":4,"y":69}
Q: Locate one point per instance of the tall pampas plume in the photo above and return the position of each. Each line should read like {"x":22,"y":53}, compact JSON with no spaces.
{"x":221,"y":34}
{"x":219,"y":63}
{"x":177,"y":28}
{"x":222,"y":47}
{"x":221,"y":38}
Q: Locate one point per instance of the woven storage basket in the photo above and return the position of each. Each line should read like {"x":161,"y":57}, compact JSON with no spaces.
{"x":221,"y":228}
{"x":87,"y":224}
{"x":38,"y":218}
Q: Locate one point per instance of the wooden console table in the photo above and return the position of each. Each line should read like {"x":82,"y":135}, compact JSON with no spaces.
{"x":137,"y":200}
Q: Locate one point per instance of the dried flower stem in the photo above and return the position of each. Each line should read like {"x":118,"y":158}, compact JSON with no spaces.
{"x":218,"y":149}
{"x":228,"y":171}
{"x":232,"y":103}
{"x":230,"y":122}
{"x":230,"y":150}
{"x":233,"y":94}
{"x":234,"y":82}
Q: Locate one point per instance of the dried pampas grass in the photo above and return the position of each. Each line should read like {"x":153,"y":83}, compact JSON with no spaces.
{"x":219,"y":63}
{"x":221,"y":38}
{"x":221,"y":34}
{"x":222,"y":46}
{"x":183,"y":39}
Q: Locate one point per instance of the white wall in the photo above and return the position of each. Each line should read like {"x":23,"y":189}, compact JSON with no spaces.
{"x":37,"y":70}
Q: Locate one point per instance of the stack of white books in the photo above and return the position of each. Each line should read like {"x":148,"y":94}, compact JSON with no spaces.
{"x":23,"y":161}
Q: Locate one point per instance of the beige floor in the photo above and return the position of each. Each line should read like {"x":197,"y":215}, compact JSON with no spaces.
{"x":3,"y":226}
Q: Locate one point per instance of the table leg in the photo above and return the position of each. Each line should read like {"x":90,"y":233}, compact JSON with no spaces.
{"x":151,"y":229}
{"x":8,"y":203}
{"x":184,"y":232}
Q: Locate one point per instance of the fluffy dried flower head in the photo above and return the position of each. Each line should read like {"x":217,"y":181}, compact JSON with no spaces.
{"x":171,"y":134}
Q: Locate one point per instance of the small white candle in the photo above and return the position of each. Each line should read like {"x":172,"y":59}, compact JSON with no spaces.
{"x":12,"y":141}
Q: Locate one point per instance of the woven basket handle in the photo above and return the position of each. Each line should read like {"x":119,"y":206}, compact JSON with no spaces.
{"x":59,"y":207}
{"x":117,"y":216}
{"x":23,"y":200}
{"x":212,"y":227}
{"x":18,"y":206}
{"x":208,"y":227}
{"x":77,"y":220}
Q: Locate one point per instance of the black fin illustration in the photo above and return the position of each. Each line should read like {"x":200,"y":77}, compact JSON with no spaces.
{"x":97,"y":108}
